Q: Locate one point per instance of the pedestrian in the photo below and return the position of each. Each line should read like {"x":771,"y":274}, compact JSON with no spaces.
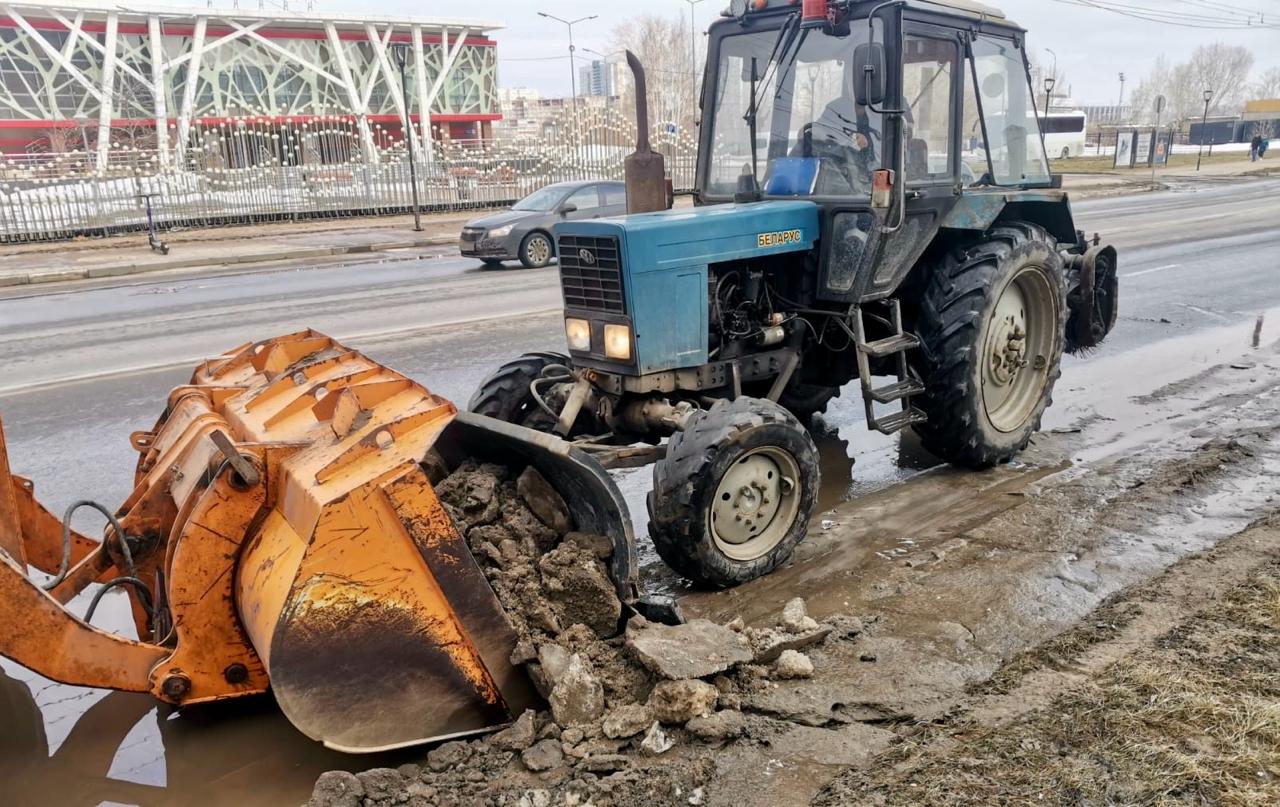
{"x":1255,"y":148}
{"x":1262,"y":149}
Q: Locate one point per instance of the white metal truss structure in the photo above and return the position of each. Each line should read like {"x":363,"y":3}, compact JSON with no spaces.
{"x":106,"y":66}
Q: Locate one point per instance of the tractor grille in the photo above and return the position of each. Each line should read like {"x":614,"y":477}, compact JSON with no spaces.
{"x":591,"y":273}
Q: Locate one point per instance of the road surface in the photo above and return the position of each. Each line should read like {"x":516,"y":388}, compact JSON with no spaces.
{"x":86,"y":366}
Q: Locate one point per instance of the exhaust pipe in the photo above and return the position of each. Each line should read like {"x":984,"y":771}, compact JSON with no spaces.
{"x":646,"y":172}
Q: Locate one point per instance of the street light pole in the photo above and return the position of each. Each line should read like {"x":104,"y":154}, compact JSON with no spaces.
{"x":1204,"y":126}
{"x":402,"y":57}
{"x":573,"y":69}
{"x":1121,"y":94}
{"x":1048,"y":94}
{"x":693,"y":39}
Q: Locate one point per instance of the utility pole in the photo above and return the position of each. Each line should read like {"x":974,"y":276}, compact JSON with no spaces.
{"x":1155,"y":136}
{"x":1121,"y":104}
{"x":401,"y":51}
{"x":573,"y":68}
{"x":1204,"y":126}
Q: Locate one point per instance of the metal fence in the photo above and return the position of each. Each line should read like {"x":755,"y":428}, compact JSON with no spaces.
{"x":257,"y":170}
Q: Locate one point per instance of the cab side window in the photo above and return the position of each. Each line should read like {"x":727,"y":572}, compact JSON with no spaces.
{"x":930,"y":68}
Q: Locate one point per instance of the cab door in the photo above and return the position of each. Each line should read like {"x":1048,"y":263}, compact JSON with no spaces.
{"x":932,"y":87}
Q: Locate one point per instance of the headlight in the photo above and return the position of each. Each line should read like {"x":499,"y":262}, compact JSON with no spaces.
{"x":578,"y":332}
{"x":499,"y":232}
{"x":617,"y":342}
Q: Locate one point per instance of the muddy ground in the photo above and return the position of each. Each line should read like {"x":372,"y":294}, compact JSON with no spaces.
{"x":968,"y":613}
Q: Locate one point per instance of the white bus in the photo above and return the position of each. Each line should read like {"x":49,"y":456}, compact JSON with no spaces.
{"x":1064,"y":134}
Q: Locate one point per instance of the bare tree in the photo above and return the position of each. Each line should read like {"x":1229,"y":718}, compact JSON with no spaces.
{"x":662,"y":44}
{"x":1219,"y":67}
{"x":1267,"y":85}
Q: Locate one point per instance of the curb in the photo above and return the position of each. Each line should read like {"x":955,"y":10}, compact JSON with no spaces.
{"x":125,"y":269}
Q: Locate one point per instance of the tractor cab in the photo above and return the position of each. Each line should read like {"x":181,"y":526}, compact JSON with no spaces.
{"x":885,"y":115}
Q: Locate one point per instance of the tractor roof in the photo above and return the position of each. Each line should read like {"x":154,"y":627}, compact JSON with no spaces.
{"x":965,"y":8}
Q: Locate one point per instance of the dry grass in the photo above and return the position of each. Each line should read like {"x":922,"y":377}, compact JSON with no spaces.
{"x":1194,"y":719}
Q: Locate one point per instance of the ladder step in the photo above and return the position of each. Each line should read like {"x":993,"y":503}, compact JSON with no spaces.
{"x":896,"y":392}
{"x":892,"y":424}
{"x":889,"y":345}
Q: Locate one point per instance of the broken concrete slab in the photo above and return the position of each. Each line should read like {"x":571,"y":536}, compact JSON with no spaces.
{"x":697,"y":649}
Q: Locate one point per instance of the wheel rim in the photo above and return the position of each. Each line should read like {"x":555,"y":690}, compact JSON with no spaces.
{"x":539,"y":250}
{"x":1021,"y":330}
{"x":755,"y":503}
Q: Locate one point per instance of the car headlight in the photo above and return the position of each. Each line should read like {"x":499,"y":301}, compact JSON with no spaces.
{"x":617,"y":342}
{"x":499,"y":232}
{"x":578,"y":332}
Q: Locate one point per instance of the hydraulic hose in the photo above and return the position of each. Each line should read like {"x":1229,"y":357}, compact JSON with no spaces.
{"x":64,"y":567}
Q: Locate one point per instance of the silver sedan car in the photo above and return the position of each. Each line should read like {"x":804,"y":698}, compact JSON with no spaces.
{"x":523,"y":233}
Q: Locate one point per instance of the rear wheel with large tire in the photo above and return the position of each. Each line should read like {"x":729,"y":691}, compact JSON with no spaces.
{"x":992,"y":327}
{"x":506,"y":394}
{"x":536,"y":250}
{"x":732,"y":498}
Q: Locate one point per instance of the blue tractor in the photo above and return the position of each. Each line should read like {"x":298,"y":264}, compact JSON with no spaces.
{"x":874,"y":203}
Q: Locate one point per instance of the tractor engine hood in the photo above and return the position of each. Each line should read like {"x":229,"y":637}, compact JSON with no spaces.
{"x":660,"y":261}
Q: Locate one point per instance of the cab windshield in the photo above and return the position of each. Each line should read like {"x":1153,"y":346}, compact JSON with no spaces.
{"x":812,"y":138}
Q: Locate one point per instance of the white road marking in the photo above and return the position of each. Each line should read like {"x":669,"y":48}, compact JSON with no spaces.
{"x":1204,"y":311}
{"x":1149,"y":271}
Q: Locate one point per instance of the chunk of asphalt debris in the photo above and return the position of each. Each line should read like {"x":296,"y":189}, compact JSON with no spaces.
{"x":682,"y":701}
{"x":697,"y":649}
{"x":769,"y":643}
{"x":337,"y":789}
{"x":795,"y":619}
{"x":543,"y":756}
{"x":723,"y":725}
{"x":544,"y":501}
{"x":656,"y":741}
{"x":627,"y":720}
{"x":793,"y":664}
{"x":519,"y":735}
{"x":579,"y":589}
{"x":578,"y":697}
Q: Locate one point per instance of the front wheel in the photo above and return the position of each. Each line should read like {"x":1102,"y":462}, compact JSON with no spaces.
{"x":536,"y":250}
{"x":992,"y":329}
{"x":507,"y":394}
{"x":733,"y":496}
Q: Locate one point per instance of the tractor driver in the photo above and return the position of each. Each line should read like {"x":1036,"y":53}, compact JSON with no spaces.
{"x":843,"y":139}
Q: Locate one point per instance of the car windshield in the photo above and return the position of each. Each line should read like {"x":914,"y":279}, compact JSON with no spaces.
{"x":812,"y":138}
{"x":540,"y":201}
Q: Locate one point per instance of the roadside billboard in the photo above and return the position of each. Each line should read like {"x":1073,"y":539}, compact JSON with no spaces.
{"x":1124,"y":148}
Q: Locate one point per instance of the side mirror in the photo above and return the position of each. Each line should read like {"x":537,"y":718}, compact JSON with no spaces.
{"x":566,"y":209}
{"x":868,"y":74}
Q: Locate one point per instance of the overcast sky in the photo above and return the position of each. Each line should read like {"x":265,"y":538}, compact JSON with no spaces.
{"x":1093,"y":46}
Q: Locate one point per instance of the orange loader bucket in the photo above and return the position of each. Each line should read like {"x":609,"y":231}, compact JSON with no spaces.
{"x":284,"y":535}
